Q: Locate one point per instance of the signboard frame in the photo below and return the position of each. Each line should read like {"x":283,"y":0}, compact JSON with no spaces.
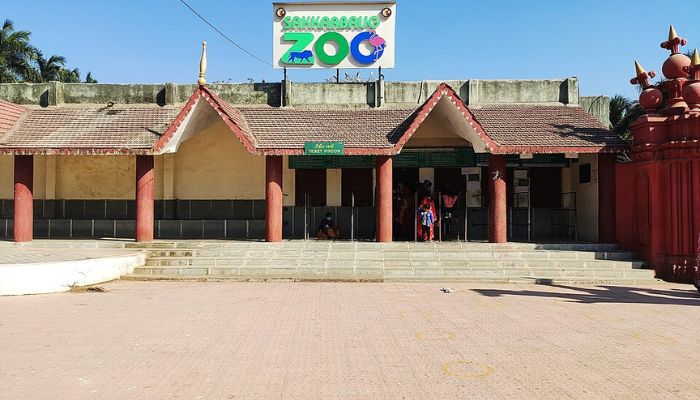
{"x":325,"y":35}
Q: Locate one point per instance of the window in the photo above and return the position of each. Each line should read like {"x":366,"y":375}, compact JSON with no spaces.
{"x":584,"y":173}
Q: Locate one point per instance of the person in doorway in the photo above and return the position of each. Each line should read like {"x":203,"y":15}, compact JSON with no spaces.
{"x":424,"y":189}
{"x":427,"y":200}
{"x":448,"y":204}
{"x":426,"y":222}
{"x":328,"y":229}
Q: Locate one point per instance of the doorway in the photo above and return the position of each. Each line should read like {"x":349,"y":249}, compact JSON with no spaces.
{"x":404,"y":205}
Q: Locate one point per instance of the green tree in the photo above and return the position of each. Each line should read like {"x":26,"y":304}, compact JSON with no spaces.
{"x":623,"y":112}
{"x":89,"y":78}
{"x":46,"y":69}
{"x":69,"y":76}
{"x":15,"y":53}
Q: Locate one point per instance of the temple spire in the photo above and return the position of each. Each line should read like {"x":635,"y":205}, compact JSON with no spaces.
{"x":695,"y":61}
{"x":672,"y":33}
{"x":203,"y":66}
{"x":674,"y":41}
{"x":642,"y":77}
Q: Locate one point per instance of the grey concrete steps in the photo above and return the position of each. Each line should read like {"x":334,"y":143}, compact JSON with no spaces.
{"x":392,"y":263}
{"x":405,"y":268}
{"x":322,"y":260}
{"x":354,"y":246}
{"x":378,"y":254}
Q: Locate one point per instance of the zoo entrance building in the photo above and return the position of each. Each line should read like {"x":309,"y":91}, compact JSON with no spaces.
{"x":525,"y":160}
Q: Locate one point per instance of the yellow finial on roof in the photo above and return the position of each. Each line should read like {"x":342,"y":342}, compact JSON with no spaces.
{"x":640,"y":70}
{"x":696,"y":58}
{"x":672,"y":33}
{"x":203,"y":66}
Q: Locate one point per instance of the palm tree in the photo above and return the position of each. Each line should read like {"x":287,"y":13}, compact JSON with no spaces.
{"x":46,"y":70}
{"x":69,"y":76}
{"x":15,"y":52}
{"x":623,"y":112}
{"x":89,"y":78}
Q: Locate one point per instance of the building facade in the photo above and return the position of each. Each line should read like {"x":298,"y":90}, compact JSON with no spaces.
{"x":521,"y":160}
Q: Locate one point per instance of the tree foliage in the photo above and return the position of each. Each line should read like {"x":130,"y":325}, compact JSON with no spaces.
{"x":623,"y":112}
{"x":22,"y":62}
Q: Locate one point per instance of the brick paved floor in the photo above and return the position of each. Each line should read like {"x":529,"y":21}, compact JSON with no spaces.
{"x":177,"y":340}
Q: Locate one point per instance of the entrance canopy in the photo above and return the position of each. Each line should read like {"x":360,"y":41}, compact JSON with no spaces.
{"x":149,"y":129}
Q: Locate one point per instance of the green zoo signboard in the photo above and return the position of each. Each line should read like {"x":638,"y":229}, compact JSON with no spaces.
{"x":342,"y":35}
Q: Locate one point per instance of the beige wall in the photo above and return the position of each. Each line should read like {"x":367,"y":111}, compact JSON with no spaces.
{"x":95,"y":177}
{"x":6,"y":177}
{"x":213,"y":164}
{"x":334,"y":183}
{"x":431,"y":133}
{"x":586,"y":197}
{"x":288,"y":183}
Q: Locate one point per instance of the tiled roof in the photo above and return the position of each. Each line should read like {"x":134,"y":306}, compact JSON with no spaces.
{"x":10,"y":113}
{"x":548,"y":126}
{"x":91,"y":126}
{"x":291,"y":127}
{"x":146,"y":129}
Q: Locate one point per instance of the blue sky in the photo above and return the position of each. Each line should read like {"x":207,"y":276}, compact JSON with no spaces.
{"x":155,"y":41}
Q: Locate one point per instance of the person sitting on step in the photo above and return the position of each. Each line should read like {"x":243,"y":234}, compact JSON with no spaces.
{"x":328,"y":229}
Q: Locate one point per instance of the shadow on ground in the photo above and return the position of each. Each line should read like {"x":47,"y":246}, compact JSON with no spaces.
{"x":607,"y":294}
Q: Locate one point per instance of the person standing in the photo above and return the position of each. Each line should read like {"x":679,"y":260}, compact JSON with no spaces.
{"x":426,"y":218}
{"x":427,"y":200}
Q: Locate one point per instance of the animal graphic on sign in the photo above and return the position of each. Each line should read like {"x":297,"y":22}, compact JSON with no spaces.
{"x":303,"y":56}
{"x":379,"y":44}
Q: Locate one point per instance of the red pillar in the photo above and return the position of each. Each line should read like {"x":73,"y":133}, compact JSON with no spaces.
{"x":273,"y":198}
{"x":498,"y":232}
{"x":606,"y":198}
{"x":24,"y":199}
{"x":144,"y":198}
{"x":384,"y":198}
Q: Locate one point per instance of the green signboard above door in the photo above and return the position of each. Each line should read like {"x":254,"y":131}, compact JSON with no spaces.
{"x":324,"y":148}
{"x":409,"y":158}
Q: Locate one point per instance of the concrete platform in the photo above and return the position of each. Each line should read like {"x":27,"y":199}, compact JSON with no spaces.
{"x":26,"y":269}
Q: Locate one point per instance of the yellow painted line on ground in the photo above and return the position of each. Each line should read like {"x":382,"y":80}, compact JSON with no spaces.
{"x":465,"y":369}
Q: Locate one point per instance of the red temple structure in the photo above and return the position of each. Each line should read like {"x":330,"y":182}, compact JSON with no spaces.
{"x":658,"y":193}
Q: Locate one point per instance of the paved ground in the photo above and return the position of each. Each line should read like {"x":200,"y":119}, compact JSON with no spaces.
{"x":179,"y":340}
{"x":22,"y":255}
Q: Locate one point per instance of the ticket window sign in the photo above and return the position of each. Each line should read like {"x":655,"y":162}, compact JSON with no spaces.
{"x":324,"y":148}
{"x":334,"y":35}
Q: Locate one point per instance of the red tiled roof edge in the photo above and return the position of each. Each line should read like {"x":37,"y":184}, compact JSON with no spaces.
{"x":168,"y":134}
{"x":558,"y":149}
{"x":10,"y":115}
{"x":444,"y":90}
{"x":220,"y":106}
{"x":73,"y":151}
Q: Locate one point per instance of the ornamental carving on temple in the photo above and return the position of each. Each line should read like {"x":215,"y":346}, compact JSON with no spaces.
{"x":658,"y":209}
{"x":673,"y":102}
